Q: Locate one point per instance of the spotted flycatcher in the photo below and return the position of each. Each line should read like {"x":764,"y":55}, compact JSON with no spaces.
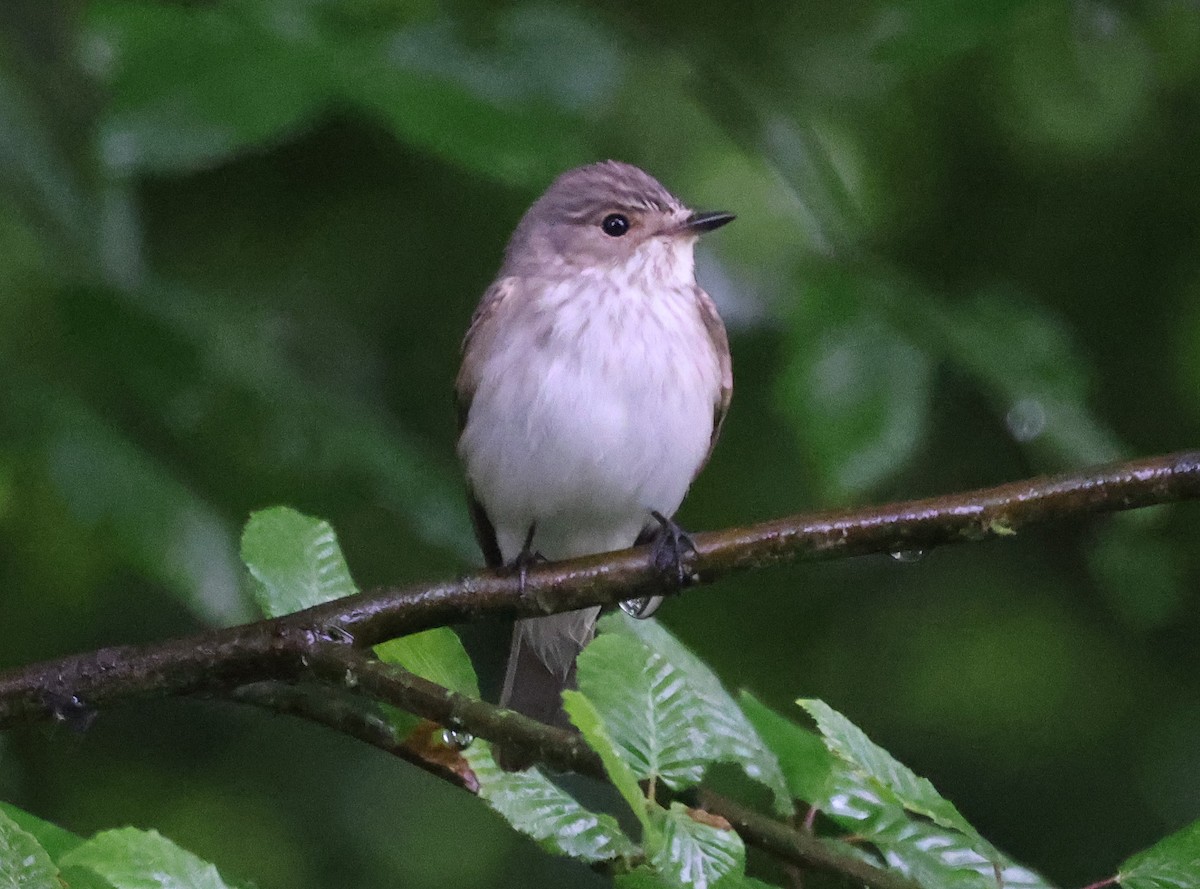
{"x":595,"y":376}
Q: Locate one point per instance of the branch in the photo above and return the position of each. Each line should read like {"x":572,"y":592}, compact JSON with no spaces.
{"x":276,"y":649}
{"x":557,"y":747}
{"x":256,"y":662}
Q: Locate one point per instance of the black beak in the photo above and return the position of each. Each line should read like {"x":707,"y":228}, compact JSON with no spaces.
{"x":707,"y":221}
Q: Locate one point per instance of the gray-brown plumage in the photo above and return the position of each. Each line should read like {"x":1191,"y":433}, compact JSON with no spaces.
{"x":595,"y":377}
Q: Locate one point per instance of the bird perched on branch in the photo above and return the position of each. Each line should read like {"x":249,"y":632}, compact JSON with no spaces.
{"x":595,"y":376}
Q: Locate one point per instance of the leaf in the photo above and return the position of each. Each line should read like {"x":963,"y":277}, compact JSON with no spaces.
{"x":806,"y":762}
{"x":916,"y":794}
{"x":51,"y":837}
{"x":1171,"y":863}
{"x":718,"y":726}
{"x":295,"y":560}
{"x":871,"y":795}
{"x":694,"y":853}
{"x":129,"y":858}
{"x":653,"y":718}
{"x":536,"y":806}
{"x":585,"y":718}
{"x":24,"y":864}
{"x":437,"y":655}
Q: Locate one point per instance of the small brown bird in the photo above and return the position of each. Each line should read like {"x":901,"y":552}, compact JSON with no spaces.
{"x":595,"y":377}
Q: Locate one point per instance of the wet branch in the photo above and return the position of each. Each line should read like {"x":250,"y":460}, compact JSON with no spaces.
{"x":556,"y":747}
{"x":276,"y":649}
{"x":314,"y":663}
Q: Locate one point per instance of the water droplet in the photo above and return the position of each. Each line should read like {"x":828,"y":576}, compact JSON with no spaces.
{"x":457,"y":738}
{"x":1026,"y":419}
{"x":641,"y":608}
{"x":907,"y":555}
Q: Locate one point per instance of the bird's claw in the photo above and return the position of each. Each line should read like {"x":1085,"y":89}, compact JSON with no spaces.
{"x":668,"y":548}
{"x":526,"y":558}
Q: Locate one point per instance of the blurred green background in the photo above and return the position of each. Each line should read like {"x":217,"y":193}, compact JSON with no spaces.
{"x":240,"y":242}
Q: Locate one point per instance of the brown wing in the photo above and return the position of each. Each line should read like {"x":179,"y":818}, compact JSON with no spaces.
{"x":715,"y":328}
{"x":479,"y":338}
{"x":477,"y":343}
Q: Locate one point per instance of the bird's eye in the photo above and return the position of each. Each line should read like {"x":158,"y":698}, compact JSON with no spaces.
{"x":615,"y":224}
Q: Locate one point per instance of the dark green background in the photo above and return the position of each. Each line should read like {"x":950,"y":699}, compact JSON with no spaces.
{"x":240,"y":242}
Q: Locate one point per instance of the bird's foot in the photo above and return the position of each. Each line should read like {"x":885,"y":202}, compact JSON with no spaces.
{"x":669,"y":547}
{"x":668,"y":550}
{"x":526,"y":559}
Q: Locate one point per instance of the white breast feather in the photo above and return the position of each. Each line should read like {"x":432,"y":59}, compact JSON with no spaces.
{"x":586,"y":422}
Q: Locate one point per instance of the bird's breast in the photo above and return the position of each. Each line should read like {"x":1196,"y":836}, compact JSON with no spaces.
{"x":597,"y":409}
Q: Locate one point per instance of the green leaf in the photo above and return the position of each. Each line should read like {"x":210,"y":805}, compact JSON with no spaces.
{"x":717,"y":729}
{"x":51,"y":837}
{"x":295,"y":560}
{"x":693,"y":853}
{"x":1171,"y":863}
{"x":653,"y":718}
{"x":538,"y":807}
{"x":24,"y":864}
{"x":916,"y":794}
{"x":871,"y":795}
{"x":585,"y":718}
{"x":129,"y":858}
{"x":806,"y":762}
{"x":437,"y":655}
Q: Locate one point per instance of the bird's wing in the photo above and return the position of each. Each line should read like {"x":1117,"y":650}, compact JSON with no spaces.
{"x":715,"y":328}
{"x":475,"y":345}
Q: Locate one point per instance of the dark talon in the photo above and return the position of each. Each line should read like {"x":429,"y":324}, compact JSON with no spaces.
{"x":670,"y":544}
{"x":526,"y":558}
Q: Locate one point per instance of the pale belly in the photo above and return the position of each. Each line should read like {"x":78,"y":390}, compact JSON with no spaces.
{"x":586,"y":433}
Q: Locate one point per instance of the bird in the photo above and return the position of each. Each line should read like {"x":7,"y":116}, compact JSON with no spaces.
{"x":595,"y":378}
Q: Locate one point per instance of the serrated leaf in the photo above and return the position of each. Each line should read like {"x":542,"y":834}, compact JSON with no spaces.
{"x":852,"y":744}
{"x":718,"y":727}
{"x":437,"y":655}
{"x":538,"y":807}
{"x":51,"y":837}
{"x":24,"y":864}
{"x":806,"y":762}
{"x":295,"y":560}
{"x":647,"y":708}
{"x":863,"y":801}
{"x":129,"y":858}
{"x":1171,"y":863}
{"x":585,"y":718}
{"x":695,"y":854}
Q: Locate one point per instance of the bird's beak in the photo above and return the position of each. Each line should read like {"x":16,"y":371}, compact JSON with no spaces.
{"x":706,"y":221}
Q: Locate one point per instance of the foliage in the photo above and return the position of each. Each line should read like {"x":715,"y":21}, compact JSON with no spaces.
{"x":240,"y":241}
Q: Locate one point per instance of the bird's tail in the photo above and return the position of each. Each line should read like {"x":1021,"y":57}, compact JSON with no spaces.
{"x":541,"y":664}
